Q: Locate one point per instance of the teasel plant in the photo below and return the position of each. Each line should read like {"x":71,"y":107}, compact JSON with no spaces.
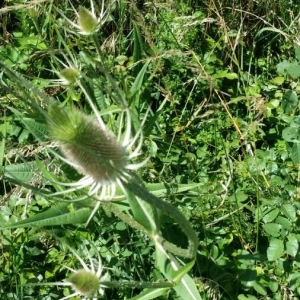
{"x":101,"y":156}
{"x":89,"y":278}
{"x":107,"y":159}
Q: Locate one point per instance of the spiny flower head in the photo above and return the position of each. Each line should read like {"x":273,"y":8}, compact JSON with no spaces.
{"x":87,"y":21}
{"x":105,"y":159}
{"x":69,"y":75}
{"x":92,"y":149}
{"x":85,"y":282}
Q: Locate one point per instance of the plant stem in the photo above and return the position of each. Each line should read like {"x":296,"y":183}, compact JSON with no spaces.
{"x":136,"y":284}
{"x":135,"y":185}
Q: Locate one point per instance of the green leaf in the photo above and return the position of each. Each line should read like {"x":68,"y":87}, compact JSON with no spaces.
{"x":143,"y":213}
{"x":289,"y":211}
{"x":225,"y":74}
{"x":295,"y":153}
{"x":57,"y":215}
{"x":148,"y":294}
{"x":293,"y":280}
{"x":271,"y":216}
{"x":138,"y":82}
{"x":22,"y":172}
{"x":297,"y":52}
{"x":282,"y":66}
{"x":277,"y":80}
{"x":232,"y":76}
{"x":273,"y":285}
{"x":294,"y":70}
{"x":286,"y":223}
{"x":3,"y":142}
{"x":273,"y":229}
{"x":275,"y":249}
{"x":291,"y":134}
{"x":38,"y":130}
{"x":260,"y":288}
{"x":247,"y":297}
{"x":48,"y":175}
{"x":292,"y":245}
{"x":138,"y":48}
{"x":178,"y":275}
{"x":171,"y":269}
{"x":239,"y":196}
{"x":290,"y":68}
{"x":162,"y":190}
{"x":289,"y":101}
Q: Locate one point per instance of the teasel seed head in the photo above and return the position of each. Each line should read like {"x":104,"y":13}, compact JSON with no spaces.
{"x":86,"y":20}
{"x":91,"y":148}
{"x":69,"y":75}
{"x":85,"y":282}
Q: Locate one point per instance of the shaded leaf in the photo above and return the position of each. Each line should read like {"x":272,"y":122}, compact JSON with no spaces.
{"x":289,"y":101}
{"x":248,"y":277}
{"x":260,"y":288}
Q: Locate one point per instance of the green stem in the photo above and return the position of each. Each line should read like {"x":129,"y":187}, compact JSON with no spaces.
{"x":119,"y":92}
{"x":136,"y":284}
{"x":125,"y":218}
{"x":134,"y":184}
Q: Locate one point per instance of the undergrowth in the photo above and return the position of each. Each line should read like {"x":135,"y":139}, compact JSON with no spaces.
{"x":219,"y":100}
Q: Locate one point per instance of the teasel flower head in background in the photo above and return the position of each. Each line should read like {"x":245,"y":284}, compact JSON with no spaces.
{"x":86,"y":281}
{"x":87,"y":20}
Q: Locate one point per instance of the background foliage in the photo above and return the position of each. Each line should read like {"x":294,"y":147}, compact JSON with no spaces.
{"x":223,"y":84}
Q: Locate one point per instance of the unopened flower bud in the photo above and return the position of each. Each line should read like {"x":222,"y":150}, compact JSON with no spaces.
{"x":85,"y":282}
{"x":70,"y":75}
{"x":87,"y":21}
